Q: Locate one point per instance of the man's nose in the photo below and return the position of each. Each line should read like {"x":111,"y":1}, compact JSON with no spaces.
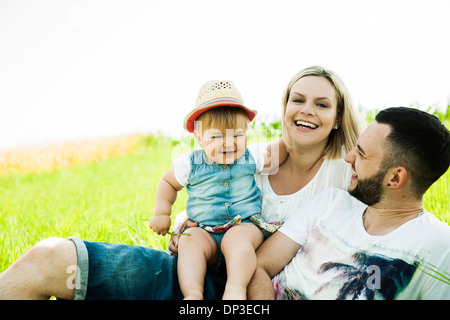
{"x":350,"y":156}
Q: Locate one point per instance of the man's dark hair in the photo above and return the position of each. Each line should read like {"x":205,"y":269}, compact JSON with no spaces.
{"x":419,"y":142}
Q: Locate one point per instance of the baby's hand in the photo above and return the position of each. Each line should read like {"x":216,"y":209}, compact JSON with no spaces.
{"x":160,"y":224}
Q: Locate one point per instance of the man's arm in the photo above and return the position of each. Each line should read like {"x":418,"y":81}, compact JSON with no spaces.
{"x":273,"y":255}
{"x":260,"y":287}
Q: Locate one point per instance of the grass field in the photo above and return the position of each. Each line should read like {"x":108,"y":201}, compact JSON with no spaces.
{"x":103,"y":200}
{"x":98,"y":201}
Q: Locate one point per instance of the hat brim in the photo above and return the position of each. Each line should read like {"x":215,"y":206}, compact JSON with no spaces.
{"x":222,"y":102}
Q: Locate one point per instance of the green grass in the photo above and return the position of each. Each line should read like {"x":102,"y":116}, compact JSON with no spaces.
{"x":102,"y":201}
{"x":437,"y":198}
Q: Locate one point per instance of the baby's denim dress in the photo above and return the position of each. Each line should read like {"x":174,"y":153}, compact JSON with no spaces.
{"x":218,"y":193}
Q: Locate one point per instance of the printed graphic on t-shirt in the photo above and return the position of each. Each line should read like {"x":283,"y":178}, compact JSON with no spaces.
{"x":349,"y":274}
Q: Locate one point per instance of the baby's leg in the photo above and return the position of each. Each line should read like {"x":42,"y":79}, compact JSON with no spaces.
{"x":238,"y":246}
{"x":195,"y":252}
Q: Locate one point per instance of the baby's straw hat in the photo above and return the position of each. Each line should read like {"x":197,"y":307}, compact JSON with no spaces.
{"x":213,"y":94}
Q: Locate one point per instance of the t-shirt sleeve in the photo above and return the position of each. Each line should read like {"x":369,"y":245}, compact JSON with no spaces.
{"x":179,"y":220}
{"x":181,"y":169}
{"x":258,"y":151}
{"x":300,"y":222}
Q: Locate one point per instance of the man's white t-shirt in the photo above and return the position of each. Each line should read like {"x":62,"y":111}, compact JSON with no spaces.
{"x":340,"y":260}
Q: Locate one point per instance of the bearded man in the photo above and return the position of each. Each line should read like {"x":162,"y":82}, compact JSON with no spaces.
{"x":375,"y":241}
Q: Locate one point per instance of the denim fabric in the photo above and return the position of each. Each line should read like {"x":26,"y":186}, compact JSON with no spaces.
{"x":220,"y":192}
{"x":218,"y":237}
{"x":124,"y":272}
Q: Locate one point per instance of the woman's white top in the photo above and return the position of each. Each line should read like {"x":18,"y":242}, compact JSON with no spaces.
{"x":332,"y":173}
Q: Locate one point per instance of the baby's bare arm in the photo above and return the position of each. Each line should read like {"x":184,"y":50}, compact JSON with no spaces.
{"x":166,"y":195}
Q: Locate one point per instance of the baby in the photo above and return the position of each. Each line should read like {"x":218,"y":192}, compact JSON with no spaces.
{"x":223,"y":196}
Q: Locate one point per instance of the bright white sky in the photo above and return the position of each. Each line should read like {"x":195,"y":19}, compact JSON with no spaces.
{"x":93,"y":68}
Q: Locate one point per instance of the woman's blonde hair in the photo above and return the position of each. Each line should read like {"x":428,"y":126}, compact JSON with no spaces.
{"x":351,"y":124}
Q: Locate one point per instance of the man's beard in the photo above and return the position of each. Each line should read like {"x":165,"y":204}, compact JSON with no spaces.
{"x":370,"y":190}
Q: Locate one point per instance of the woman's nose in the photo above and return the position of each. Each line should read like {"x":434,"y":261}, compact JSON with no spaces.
{"x":307,"y":108}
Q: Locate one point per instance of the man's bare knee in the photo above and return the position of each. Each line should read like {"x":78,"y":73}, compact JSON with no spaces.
{"x":41,"y":272}
{"x":52,"y":259}
{"x":50,"y":246}
{"x":49,"y":251}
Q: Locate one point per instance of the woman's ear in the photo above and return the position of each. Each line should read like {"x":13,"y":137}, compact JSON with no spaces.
{"x":337,"y":124}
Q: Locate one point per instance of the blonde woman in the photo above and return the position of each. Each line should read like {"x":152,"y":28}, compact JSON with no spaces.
{"x":320,"y":125}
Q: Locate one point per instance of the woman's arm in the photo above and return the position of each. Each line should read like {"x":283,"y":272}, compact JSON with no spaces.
{"x":275,"y":156}
{"x":183,"y":225}
{"x":273,"y":255}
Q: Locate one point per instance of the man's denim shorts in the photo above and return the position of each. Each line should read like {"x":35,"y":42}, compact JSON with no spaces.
{"x":123,"y":272}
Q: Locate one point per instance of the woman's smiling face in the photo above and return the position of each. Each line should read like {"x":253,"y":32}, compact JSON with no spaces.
{"x":311,"y":111}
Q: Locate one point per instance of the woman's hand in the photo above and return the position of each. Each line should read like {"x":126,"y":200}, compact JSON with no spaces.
{"x":173,"y":244}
